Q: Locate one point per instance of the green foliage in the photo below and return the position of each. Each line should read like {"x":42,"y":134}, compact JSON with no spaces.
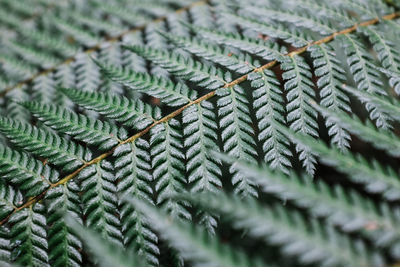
{"x":212,"y":133}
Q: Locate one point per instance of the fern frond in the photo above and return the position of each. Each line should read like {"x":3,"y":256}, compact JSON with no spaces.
{"x":261,"y":48}
{"x":32,"y":55}
{"x":240,"y":77}
{"x":131,"y":113}
{"x":362,"y":8}
{"x":375,"y":178}
{"x":98,"y":24}
{"x":10,"y":198}
{"x":167,"y":163}
{"x":26,"y":173}
{"x":65,"y":248}
{"x":192,"y":242}
{"x":320,"y":244}
{"x":199,"y":131}
{"x":389,"y":107}
{"x":394,"y":78}
{"x":43,"y":88}
{"x":88,"y":76}
{"x":122,"y":13}
{"x":100,"y":202}
{"x":15,"y":67}
{"x":94,"y":132}
{"x":204,"y":171}
{"x":294,"y":18}
{"x":380,"y":139}
{"x":168,"y":92}
{"x":365,"y":75}
{"x":133,"y":165}
{"x":29,"y":236}
{"x":5,"y":250}
{"x":325,"y":10}
{"x":205,"y":76}
{"x":42,"y":143}
{"x":212,"y":53}
{"x":105,"y":252}
{"x":48,"y":42}
{"x":339,"y":206}
{"x":237,"y":134}
{"x":386,"y":51}
{"x":268,"y":104}
{"x":330,"y":78}
{"x":268,"y":29}
{"x":301,"y":115}
{"x":76,"y":32}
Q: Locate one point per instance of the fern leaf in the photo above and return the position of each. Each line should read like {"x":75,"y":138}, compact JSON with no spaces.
{"x":104,"y":251}
{"x":42,"y":143}
{"x":268,"y":104}
{"x":237,"y":134}
{"x":43,"y":88}
{"x":113,"y":55}
{"x":269,"y":30}
{"x":34,"y":56}
{"x":193,"y":243}
{"x":26,"y":173}
{"x":64,"y":246}
{"x":64,"y":77}
{"x":98,"y":24}
{"x":131,"y":113}
{"x":345,"y":208}
{"x":5,"y":251}
{"x":389,"y":107}
{"x":330,"y":78}
{"x":133,"y":165}
{"x":88,"y":76}
{"x":29,"y":236}
{"x":100,"y":200}
{"x":169,"y":93}
{"x":287,"y":230}
{"x":261,"y":48}
{"x":10,"y":198}
{"x":386,"y":51}
{"x":204,"y":171}
{"x":94,"y":132}
{"x":49,"y":42}
{"x":365,"y":75}
{"x":212,"y":53}
{"x":380,"y":139}
{"x":325,"y":10}
{"x":167,"y":163}
{"x":361,"y":8}
{"x":76,"y":32}
{"x":200,"y":133}
{"x":301,"y":115}
{"x":14,"y":67}
{"x":374,"y":177}
{"x":296,"y":19}
{"x":394,"y":78}
{"x":360,"y":64}
{"x":188,"y":69}
{"x":122,"y":13}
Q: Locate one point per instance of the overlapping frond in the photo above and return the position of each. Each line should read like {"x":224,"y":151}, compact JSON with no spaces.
{"x":375,"y":177}
{"x":205,"y":76}
{"x":132,"y":113}
{"x":193,"y":243}
{"x":339,"y":206}
{"x":320,"y":244}
{"x":45,"y":144}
